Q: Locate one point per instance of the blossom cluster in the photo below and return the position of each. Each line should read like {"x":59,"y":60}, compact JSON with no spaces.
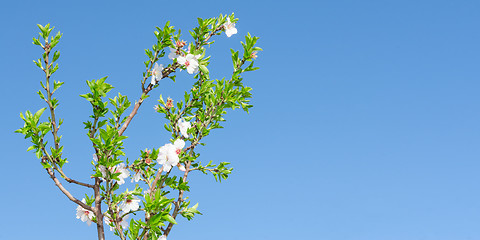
{"x":168,"y":155}
{"x":123,"y":223}
{"x":190,"y":61}
{"x":130,"y":204}
{"x":120,"y":168}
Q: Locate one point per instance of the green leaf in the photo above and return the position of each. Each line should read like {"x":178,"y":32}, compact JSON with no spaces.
{"x":38,"y":63}
{"x":155,"y":220}
{"x":39,"y":113}
{"x":204,"y":69}
{"x":170,"y":219}
{"x":56,"y":85}
{"x":56,"y":55}
{"x":36,"y":42}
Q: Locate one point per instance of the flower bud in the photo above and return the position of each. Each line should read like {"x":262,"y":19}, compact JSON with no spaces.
{"x":181,"y":167}
{"x":169,"y":103}
{"x":180,"y":43}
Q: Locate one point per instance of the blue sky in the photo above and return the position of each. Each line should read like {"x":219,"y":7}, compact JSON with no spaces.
{"x":365,"y":123}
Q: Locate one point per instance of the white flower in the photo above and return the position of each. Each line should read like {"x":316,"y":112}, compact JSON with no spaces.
{"x":156,"y":73}
{"x":103,"y":170}
{"x":84,"y":214}
{"x":184,"y":126}
{"x":145,"y":192}
{"x":109,"y":222}
{"x":123,"y":223}
{"x":95,"y":158}
{"x":178,"y":144}
{"x":124,"y":173}
{"x":190,"y":61}
{"x":137,"y":176}
{"x":229,"y":28}
{"x":163,"y":237}
{"x":168,"y":155}
{"x":173,"y":53}
{"x":130,"y":204}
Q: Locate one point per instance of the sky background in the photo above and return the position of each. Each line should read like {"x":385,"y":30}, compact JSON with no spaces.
{"x":365,"y":126}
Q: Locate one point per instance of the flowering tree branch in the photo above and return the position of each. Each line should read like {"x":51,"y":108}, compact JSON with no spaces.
{"x":165,"y":73}
{"x":188,"y":121}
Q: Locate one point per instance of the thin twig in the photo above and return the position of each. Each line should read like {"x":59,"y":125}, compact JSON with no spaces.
{"x":66,"y":192}
{"x":165,"y":74}
{"x":179,"y":200}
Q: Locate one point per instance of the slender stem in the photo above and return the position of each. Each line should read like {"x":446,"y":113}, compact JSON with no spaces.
{"x":179,"y":200}
{"x":157,"y":177}
{"x":49,"y":96}
{"x":69,"y":180}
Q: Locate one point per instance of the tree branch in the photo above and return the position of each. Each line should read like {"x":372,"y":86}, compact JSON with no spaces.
{"x":66,"y":192}
{"x":165,"y":74}
{"x":98,"y":209}
{"x":69,"y":180}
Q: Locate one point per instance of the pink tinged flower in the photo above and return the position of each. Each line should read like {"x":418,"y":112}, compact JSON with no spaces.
{"x":84,"y":214}
{"x":173,"y":53}
{"x":229,"y":28}
{"x":190,"y":62}
{"x":156,"y":73}
{"x":163,"y":237}
{"x":184,"y":126}
{"x":95,"y":158}
{"x":178,"y":144}
{"x":130,"y":204}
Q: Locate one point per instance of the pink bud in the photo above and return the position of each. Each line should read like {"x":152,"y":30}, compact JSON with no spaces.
{"x":181,"y":167}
